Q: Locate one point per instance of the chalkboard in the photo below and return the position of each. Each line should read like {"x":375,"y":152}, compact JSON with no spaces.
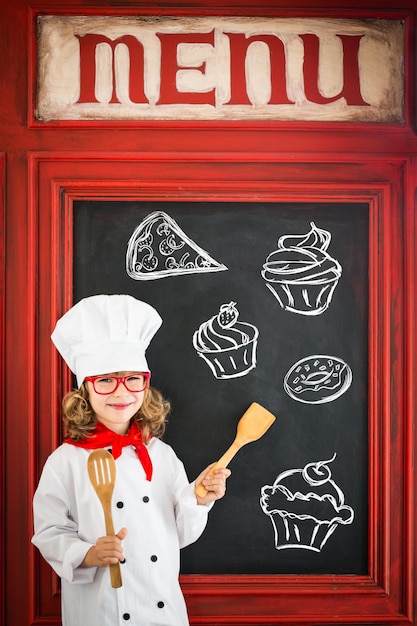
{"x":239,"y":265}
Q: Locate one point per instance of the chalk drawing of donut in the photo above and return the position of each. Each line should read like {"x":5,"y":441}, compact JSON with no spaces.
{"x":317,"y":379}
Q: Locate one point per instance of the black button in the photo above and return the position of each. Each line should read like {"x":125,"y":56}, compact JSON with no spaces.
{"x":145,"y":499}
{"x":160,"y":605}
{"x":154,"y":558}
{"x":126,"y":616}
{"x":120,"y":505}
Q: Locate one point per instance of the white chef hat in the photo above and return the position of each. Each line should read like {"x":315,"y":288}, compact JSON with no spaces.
{"x":106,"y":333}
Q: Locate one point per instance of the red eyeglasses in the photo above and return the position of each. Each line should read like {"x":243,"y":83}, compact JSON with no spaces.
{"x":104,"y":385}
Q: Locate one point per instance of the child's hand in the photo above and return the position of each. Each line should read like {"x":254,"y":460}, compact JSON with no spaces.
{"x":107,"y":550}
{"x":214,"y":483}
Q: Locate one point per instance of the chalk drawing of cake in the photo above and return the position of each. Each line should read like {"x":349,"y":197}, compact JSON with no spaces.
{"x":301,"y":274}
{"x":305,"y":507}
{"x":227,"y":345}
{"x":159,"y":247}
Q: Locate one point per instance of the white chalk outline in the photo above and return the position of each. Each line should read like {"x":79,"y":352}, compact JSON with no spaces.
{"x":316,"y":239}
{"x":314,"y":474}
{"x":219,"y":366}
{"x":193,"y":259}
{"x":335,"y":377}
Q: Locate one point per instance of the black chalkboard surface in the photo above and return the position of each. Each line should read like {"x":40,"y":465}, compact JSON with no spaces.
{"x":292,"y":319}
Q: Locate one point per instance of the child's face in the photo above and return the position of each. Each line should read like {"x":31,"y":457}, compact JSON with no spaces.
{"x":115,"y":410}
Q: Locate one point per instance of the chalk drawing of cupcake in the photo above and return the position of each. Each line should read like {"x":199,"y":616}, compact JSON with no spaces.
{"x":305,"y":507}
{"x":301,"y":274}
{"x":227,"y":345}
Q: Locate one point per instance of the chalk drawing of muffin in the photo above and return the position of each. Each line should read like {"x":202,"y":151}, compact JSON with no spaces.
{"x":227,"y":345}
{"x":301,"y":274}
{"x":305,"y":507}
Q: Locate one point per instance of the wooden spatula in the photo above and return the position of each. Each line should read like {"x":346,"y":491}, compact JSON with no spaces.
{"x":252,"y":425}
{"x":102,"y":472}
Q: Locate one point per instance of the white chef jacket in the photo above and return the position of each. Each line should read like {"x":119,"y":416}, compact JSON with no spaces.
{"x":161,"y":516}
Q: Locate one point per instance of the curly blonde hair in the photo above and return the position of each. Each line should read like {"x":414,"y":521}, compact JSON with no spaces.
{"x":80,"y":419}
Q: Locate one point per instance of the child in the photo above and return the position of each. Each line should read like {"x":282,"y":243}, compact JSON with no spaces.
{"x":155,"y":511}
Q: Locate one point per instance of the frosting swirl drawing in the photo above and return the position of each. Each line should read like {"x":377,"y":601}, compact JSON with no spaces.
{"x":305,"y":506}
{"x":227,"y":345}
{"x":301,"y":274}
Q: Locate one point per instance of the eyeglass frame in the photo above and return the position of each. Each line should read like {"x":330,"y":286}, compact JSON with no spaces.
{"x":119,"y":379}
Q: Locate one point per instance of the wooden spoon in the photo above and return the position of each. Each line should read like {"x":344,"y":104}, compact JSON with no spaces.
{"x":252,"y":425}
{"x":102,"y":472}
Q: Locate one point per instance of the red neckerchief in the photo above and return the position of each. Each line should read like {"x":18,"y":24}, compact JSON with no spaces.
{"x":102,"y":437}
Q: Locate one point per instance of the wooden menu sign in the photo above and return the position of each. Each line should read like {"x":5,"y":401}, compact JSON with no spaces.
{"x":136,"y":68}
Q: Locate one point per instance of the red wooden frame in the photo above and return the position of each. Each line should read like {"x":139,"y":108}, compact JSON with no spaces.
{"x":2,"y":364}
{"x":385,"y":594}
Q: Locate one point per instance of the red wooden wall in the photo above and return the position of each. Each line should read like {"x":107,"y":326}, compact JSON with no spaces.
{"x":45,"y":168}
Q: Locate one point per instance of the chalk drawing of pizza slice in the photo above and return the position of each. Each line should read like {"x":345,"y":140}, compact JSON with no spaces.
{"x":159,"y":247}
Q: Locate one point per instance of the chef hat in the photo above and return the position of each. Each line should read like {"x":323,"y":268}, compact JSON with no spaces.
{"x":104,"y":334}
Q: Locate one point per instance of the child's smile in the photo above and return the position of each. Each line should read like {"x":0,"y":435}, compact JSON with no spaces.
{"x":115,"y":410}
{"x":119,"y":406}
